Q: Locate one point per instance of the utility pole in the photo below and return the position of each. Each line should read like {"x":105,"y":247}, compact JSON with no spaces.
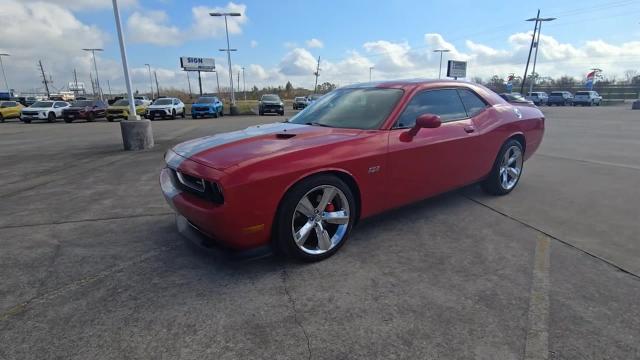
{"x":244,"y":84}
{"x":93,"y":85}
{"x":533,"y":38}
{"x":200,"y":82}
{"x":44,"y":78}
{"x":189,"y":82}
{"x":317,"y":73}
{"x":6,"y":84}
{"x":109,"y":87}
{"x":75,"y":78}
{"x":218,"y":83}
{"x":150,"y":81}
{"x":535,"y":57}
{"x":233,"y":108}
{"x":441,"y":51}
{"x":238,"y":80}
{"x":95,"y":66}
{"x":155,"y":74}
{"x":370,"y":68}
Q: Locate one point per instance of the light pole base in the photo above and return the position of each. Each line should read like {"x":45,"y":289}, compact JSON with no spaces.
{"x":233,"y":110}
{"x":636,"y":105}
{"x":136,"y":134}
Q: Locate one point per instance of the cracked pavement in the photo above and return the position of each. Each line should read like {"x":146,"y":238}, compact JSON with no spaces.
{"x":92,"y":266}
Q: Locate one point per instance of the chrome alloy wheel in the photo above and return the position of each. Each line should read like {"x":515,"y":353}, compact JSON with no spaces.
{"x":510,"y":167}
{"x":320,"y":220}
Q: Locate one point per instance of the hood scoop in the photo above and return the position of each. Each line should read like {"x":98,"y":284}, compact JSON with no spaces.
{"x":284,"y":136}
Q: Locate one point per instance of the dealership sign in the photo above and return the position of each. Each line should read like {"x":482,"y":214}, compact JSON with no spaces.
{"x":457,"y":69}
{"x":74,"y":86}
{"x":197,"y":64}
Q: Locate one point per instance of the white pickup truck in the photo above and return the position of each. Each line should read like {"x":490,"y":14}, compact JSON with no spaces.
{"x":43,"y":110}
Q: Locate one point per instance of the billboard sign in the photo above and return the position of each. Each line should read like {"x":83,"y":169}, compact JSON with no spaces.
{"x":197,"y":64}
{"x":457,"y":69}
{"x":73,"y":86}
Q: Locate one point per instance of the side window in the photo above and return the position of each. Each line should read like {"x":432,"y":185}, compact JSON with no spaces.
{"x":472,"y":103}
{"x":445,"y":103}
{"x":10,"y":104}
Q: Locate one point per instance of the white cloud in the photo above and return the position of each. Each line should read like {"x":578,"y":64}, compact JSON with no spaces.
{"x":390,"y":57}
{"x":151,"y":27}
{"x":314,"y":43}
{"x":290,"y":45}
{"x":80,"y":5}
{"x":253,"y":44}
{"x":205,"y":25}
{"x":298,"y":62}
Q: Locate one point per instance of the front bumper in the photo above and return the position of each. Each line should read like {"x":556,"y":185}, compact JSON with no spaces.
{"x":158,"y":112}
{"x":28,"y":116}
{"x":229,"y":226}
{"x":202,"y":111}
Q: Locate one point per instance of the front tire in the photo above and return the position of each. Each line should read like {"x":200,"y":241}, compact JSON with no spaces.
{"x":91,"y":117}
{"x":315,"y":218}
{"x":1,"y":118}
{"x":507,"y":169}
{"x":183,"y":114}
{"x":173,"y":114}
{"x":51,"y":117}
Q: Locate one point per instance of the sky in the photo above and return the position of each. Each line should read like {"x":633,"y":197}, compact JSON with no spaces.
{"x":280,"y":41}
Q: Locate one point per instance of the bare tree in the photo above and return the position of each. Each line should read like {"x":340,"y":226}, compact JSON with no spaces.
{"x":630,"y":75}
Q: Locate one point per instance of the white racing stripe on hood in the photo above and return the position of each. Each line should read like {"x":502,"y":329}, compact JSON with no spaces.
{"x":192,"y":147}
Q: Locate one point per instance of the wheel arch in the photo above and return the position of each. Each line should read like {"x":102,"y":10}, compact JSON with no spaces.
{"x":341,"y":174}
{"x":519,"y":137}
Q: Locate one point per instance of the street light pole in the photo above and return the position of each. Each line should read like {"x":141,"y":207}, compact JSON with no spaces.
{"x":244,"y":85}
{"x":370,"y":68}
{"x":95,"y":66}
{"x":136,"y":133}
{"x":233,"y":108}
{"x":3,"y":74}
{"x":441,"y":51}
{"x":535,"y":57}
{"x":150,"y":81}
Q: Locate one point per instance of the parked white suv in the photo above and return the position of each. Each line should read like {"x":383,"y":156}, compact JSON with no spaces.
{"x":538,"y":97}
{"x":43,"y":110}
{"x":145,"y":100}
{"x":588,"y":98}
{"x":166,"y":107}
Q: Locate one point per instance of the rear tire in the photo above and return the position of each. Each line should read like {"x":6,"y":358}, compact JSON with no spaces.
{"x":290,"y":218}
{"x":27,"y":121}
{"x":507,"y":169}
{"x":109,"y":119}
{"x":68,"y":121}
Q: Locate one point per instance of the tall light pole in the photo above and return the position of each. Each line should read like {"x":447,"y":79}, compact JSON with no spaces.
{"x":440,"y":67}
{"x":244,"y":85}
{"x":150,"y":80}
{"x":370,"y":68}
{"x":537,"y":45}
{"x":136,"y":133}
{"x":95,"y":67}
{"x":6,"y":84}
{"x":233,"y":108}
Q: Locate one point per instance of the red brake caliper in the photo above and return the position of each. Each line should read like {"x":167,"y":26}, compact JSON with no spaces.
{"x":330,"y":208}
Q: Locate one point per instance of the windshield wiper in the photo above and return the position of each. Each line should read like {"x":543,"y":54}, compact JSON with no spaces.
{"x":318,"y":124}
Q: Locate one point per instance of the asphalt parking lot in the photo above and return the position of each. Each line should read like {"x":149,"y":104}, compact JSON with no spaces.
{"x":93,"y":268}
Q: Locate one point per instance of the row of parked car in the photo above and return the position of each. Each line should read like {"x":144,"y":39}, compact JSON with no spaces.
{"x":91,"y":109}
{"x":564,"y":98}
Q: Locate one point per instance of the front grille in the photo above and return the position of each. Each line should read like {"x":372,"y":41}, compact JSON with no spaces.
{"x":199,"y":187}
{"x":200,"y":108}
{"x":30,"y":113}
{"x":157,"y":112}
{"x":115,"y":111}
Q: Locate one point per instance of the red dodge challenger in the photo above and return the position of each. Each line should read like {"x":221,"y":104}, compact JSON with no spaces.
{"x":301,"y":185}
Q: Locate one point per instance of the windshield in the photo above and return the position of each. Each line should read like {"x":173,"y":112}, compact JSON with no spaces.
{"x":582,"y":93}
{"x":270,"y":98}
{"x":350,"y":108}
{"x":163,"y":102}
{"x":205,"y":100}
{"x":82,"y":103}
{"x":315,"y":96}
{"x":42,"y":104}
{"x":121,"y":102}
{"x":300,"y":99}
{"x":557,"y":93}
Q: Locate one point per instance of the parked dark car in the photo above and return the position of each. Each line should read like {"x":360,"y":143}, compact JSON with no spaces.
{"x":85,"y":109}
{"x":271,"y":103}
{"x":516,"y":98}
{"x":560,"y":98}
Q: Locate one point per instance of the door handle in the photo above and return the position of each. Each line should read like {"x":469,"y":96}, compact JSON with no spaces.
{"x":469,"y":129}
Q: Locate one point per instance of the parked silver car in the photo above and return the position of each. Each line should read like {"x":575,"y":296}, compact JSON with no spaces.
{"x":587,"y":98}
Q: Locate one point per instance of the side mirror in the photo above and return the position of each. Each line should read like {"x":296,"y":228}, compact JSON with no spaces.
{"x":426,"y":121}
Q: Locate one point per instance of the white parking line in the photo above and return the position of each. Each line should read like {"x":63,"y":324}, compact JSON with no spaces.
{"x":537,"y":343}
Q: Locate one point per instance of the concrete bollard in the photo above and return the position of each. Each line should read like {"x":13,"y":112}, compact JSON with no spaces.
{"x":136,"y":134}
{"x":636,"y":105}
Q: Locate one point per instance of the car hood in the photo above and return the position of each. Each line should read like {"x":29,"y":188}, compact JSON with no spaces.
{"x":38,"y":108}
{"x":272,"y":102}
{"x":80,"y":108}
{"x":161,"y":107}
{"x":252,"y":144}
